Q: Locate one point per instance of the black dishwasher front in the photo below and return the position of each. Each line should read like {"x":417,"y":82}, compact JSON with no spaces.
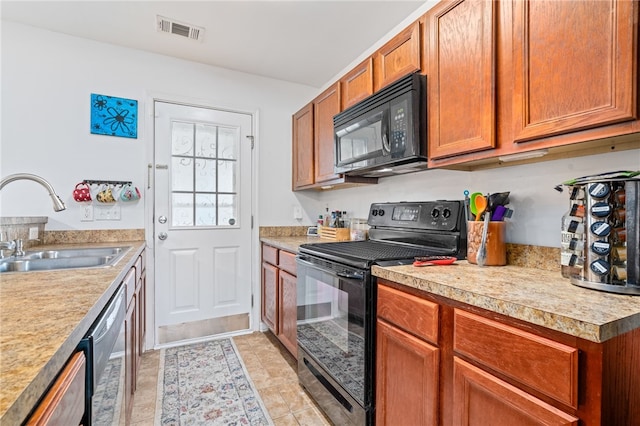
{"x":104,"y":346}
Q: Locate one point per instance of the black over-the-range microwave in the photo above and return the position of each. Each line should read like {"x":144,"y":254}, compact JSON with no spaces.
{"x":386,"y":133}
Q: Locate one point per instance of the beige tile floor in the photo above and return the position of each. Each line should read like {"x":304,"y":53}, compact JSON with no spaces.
{"x":272,"y":370}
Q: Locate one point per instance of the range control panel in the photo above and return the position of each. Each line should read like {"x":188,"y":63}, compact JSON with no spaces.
{"x":425,"y":215}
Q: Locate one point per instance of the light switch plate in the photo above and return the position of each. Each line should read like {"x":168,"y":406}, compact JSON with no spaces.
{"x":107,"y":212}
{"x":297,"y":212}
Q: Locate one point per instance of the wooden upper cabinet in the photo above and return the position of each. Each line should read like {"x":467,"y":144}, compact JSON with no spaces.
{"x":303,"y":173}
{"x":461,"y":77}
{"x":325,"y":107}
{"x":573,"y":65}
{"x":357,"y":84}
{"x":398,"y":57}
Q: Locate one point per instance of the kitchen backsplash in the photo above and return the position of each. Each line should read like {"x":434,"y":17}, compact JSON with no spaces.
{"x":23,"y":228}
{"x":13,"y":228}
{"x":93,"y":236}
{"x":18,"y":227}
{"x":528,"y":256}
{"x":283,"y":231}
{"x":538,"y":257}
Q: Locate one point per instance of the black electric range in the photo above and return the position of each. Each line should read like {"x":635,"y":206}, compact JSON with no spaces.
{"x":337,"y":299}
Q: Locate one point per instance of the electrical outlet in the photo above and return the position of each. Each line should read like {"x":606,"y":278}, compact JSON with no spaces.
{"x":107,"y":212}
{"x":87,"y":213}
{"x":297,"y":212}
{"x":33,"y":233}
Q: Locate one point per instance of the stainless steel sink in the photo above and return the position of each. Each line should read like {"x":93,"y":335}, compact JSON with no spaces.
{"x":50,"y":260}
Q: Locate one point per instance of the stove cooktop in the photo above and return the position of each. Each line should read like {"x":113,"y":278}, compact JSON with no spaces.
{"x":363,"y":254}
{"x":400,"y":232}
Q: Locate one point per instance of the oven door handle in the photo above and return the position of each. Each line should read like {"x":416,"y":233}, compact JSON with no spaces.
{"x":359,"y":276}
{"x":356,"y":276}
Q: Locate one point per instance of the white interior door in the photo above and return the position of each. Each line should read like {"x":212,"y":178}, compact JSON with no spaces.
{"x":202,"y":215}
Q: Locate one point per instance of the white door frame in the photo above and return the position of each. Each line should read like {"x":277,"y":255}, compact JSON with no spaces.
{"x":149,"y":203}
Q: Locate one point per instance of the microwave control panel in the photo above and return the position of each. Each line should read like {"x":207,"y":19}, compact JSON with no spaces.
{"x":399,"y":117}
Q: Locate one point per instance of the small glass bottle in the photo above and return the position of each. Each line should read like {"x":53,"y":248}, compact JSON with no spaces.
{"x":572,"y":236}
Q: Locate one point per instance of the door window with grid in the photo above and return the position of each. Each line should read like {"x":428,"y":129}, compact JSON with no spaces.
{"x":204,"y":175}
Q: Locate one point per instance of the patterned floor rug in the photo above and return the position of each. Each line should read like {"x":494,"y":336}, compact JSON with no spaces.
{"x":207,"y":384}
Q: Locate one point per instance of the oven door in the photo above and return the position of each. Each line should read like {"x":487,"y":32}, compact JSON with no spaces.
{"x":335,"y":342}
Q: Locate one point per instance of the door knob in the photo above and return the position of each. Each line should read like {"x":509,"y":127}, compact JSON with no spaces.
{"x":162,"y":236}
{"x":162,"y":219}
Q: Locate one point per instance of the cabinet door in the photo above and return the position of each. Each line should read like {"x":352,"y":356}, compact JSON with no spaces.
{"x":406,"y":379}
{"x":325,"y":107}
{"x":461,"y":78}
{"x":130,"y":356}
{"x":142,"y":311}
{"x":398,"y":57}
{"x":269,"y":308}
{"x":357,"y":84}
{"x":481,"y":399}
{"x":303,"y":147}
{"x":574,"y":65}
{"x":288,"y":312}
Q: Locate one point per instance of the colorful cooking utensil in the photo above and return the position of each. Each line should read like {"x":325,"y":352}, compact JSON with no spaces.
{"x":472,"y":203}
{"x":481,"y":203}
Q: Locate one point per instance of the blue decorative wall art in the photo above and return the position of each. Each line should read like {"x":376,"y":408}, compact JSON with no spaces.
{"x":114,"y":116}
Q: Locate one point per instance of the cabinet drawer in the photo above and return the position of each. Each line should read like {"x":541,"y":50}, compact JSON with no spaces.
{"x":287,"y":262}
{"x":143,"y":260}
{"x":138,"y":267}
{"x":130,"y":284}
{"x":270,"y":254}
{"x":411,"y":313}
{"x":542,"y":364}
{"x":64,"y":402}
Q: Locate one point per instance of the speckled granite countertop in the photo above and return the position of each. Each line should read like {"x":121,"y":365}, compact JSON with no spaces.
{"x":536,"y":296}
{"x":43,"y":316}
{"x":291,"y":243}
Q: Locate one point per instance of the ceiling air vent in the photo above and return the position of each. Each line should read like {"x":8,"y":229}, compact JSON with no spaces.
{"x":170,"y":26}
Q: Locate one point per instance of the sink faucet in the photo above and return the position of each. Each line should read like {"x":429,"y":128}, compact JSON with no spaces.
{"x":58,"y":205}
{"x":6,"y":245}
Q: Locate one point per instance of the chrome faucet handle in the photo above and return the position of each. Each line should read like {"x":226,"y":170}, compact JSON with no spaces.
{"x":18,"y":251}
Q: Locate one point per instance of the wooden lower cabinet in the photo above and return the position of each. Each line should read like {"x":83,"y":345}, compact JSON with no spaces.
{"x":135,"y":330}
{"x":130,"y":358}
{"x":269,"y":308}
{"x":407,"y":371}
{"x":288,"y":312}
{"x":481,"y":399}
{"x":279,"y":310}
{"x":64,"y":402}
{"x":486,"y":369}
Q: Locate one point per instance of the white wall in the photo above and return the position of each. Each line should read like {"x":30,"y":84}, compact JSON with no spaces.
{"x":47,"y":79}
{"x":46,"y":82}
{"x":537,"y":206}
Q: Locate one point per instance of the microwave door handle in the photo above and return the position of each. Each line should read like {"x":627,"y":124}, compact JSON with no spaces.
{"x":386,"y":146}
